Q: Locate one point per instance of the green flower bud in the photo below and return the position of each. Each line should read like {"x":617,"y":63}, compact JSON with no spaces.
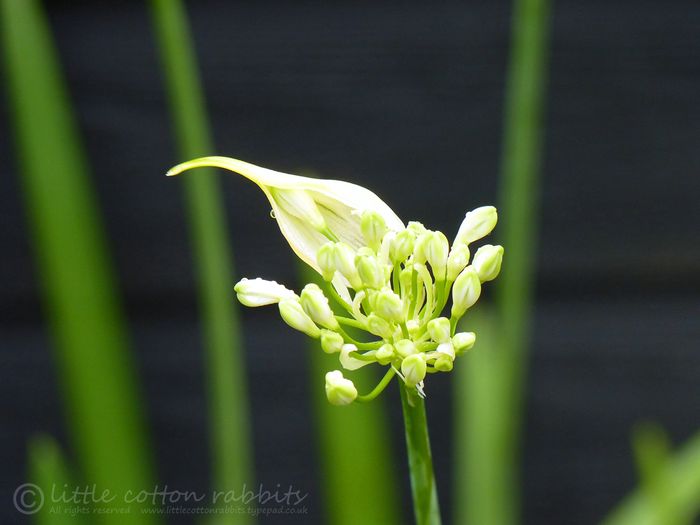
{"x":379,"y":327}
{"x":370,"y":271}
{"x":345,"y":264}
{"x":299,"y":204}
{"x":405,"y":347}
{"x":487,"y":262}
{"x":402,"y":246}
{"x":339,"y":391}
{"x":477,"y":223}
{"x":315,"y":304}
{"x":465,"y":292}
{"x":385,"y":354}
{"x":457,"y":261}
{"x":325,"y":257}
{"x":389,"y":305}
{"x":439,"y":329}
{"x":331,"y":342}
{"x":447,"y":349}
{"x":373,"y":228}
{"x":443,"y":363}
{"x":463,"y":341}
{"x":294,"y":315}
{"x":436,"y":251}
{"x":413,"y":369}
{"x":406,"y":280}
{"x":420,"y":247}
{"x":416,"y":227}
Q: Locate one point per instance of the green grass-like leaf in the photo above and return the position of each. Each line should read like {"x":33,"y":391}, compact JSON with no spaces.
{"x":490,"y":409}
{"x":80,"y":296}
{"x":229,"y":429}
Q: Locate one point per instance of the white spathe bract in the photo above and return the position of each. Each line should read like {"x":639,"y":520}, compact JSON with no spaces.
{"x":303,"y":205}
{"x":259,"y":292}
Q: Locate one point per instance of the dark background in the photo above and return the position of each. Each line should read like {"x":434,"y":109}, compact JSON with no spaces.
{"x":407,"y":100}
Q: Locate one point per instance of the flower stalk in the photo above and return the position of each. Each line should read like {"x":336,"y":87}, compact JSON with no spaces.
{"x":420,"y":461}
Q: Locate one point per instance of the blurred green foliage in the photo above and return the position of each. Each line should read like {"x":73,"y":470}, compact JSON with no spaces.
{"x":229,"y":426}
{"x":81,"y":300}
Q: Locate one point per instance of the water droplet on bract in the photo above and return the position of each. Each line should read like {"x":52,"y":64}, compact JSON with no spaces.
{"x":272,"y":214}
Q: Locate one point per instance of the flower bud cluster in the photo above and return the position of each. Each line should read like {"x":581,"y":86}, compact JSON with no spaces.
{"x":394,"y":285}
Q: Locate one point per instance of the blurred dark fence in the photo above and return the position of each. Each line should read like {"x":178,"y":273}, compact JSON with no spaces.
{"x":407,"y":100}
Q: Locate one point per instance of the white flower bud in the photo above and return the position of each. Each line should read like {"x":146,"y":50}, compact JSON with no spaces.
{"x":439,"y":329}
{"x":315,"y":303}
{"x":370,"y":271}
{"x":463,"y":341}
{"x":405,"y":347}
{"x":446,"y":349}
{"x":389,"y":305}
{"x":402,"y":246}
{"x":299,"y":204}
{"x":379,"y":327}
{"x":331,"y":342}
{"x":339,"y":390}
{"x":443,"y":363}
{"x":345,"y":264}
{"x":325,"y":257}
{"x":259,"y":292}
{"x":436,"y":251}
{"x":465,"y":292}
{"x":487,"y":262}
{"x":294,"y":315}
{"x":413,"y":369}
{"x":385,"y":354}
{"x":457,"y":261}
{"x":349,"y":362}
{"x":477,"y":224}
{"x":373,"y":228}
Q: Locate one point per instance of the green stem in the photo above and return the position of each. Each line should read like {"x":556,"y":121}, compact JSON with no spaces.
{"x":379,"y":388}
{"x":420,"y":461}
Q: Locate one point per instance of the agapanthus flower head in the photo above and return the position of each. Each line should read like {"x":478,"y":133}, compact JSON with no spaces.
{"x":392,"y":281}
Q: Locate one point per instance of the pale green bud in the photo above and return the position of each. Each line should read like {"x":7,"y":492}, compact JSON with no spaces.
{"x":259,"y":292}
{"x":463,"y":341}
{"x":299,"y":204}
{"x":465,"y":292}
{"x":294,"y":315}
{"x":349,"y":362}
{"x":457,"y":261}
{"x":339,"y":390}
{"x":443,"y":364}
{"x":370,"y":271}
{"x":439,"y":329}
{"x":477,"y":224}
{"x":331,"y":342}
{"x":345,"y":264}
{"x":420,"y":247}
{"x":325,"y":258}
{"x":436,"y":251}
{"x":405,"y":347}
{"x":315,"y":303}
{"x":389,"y":305}
{"x":413,"y":369}
{"x":487,"y":262}
{"x":373,"y":228}
{"x":402,"y":246}
{"x":416,"y":227}
{"x":379,"y":327}
{"x":385,"y":354}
